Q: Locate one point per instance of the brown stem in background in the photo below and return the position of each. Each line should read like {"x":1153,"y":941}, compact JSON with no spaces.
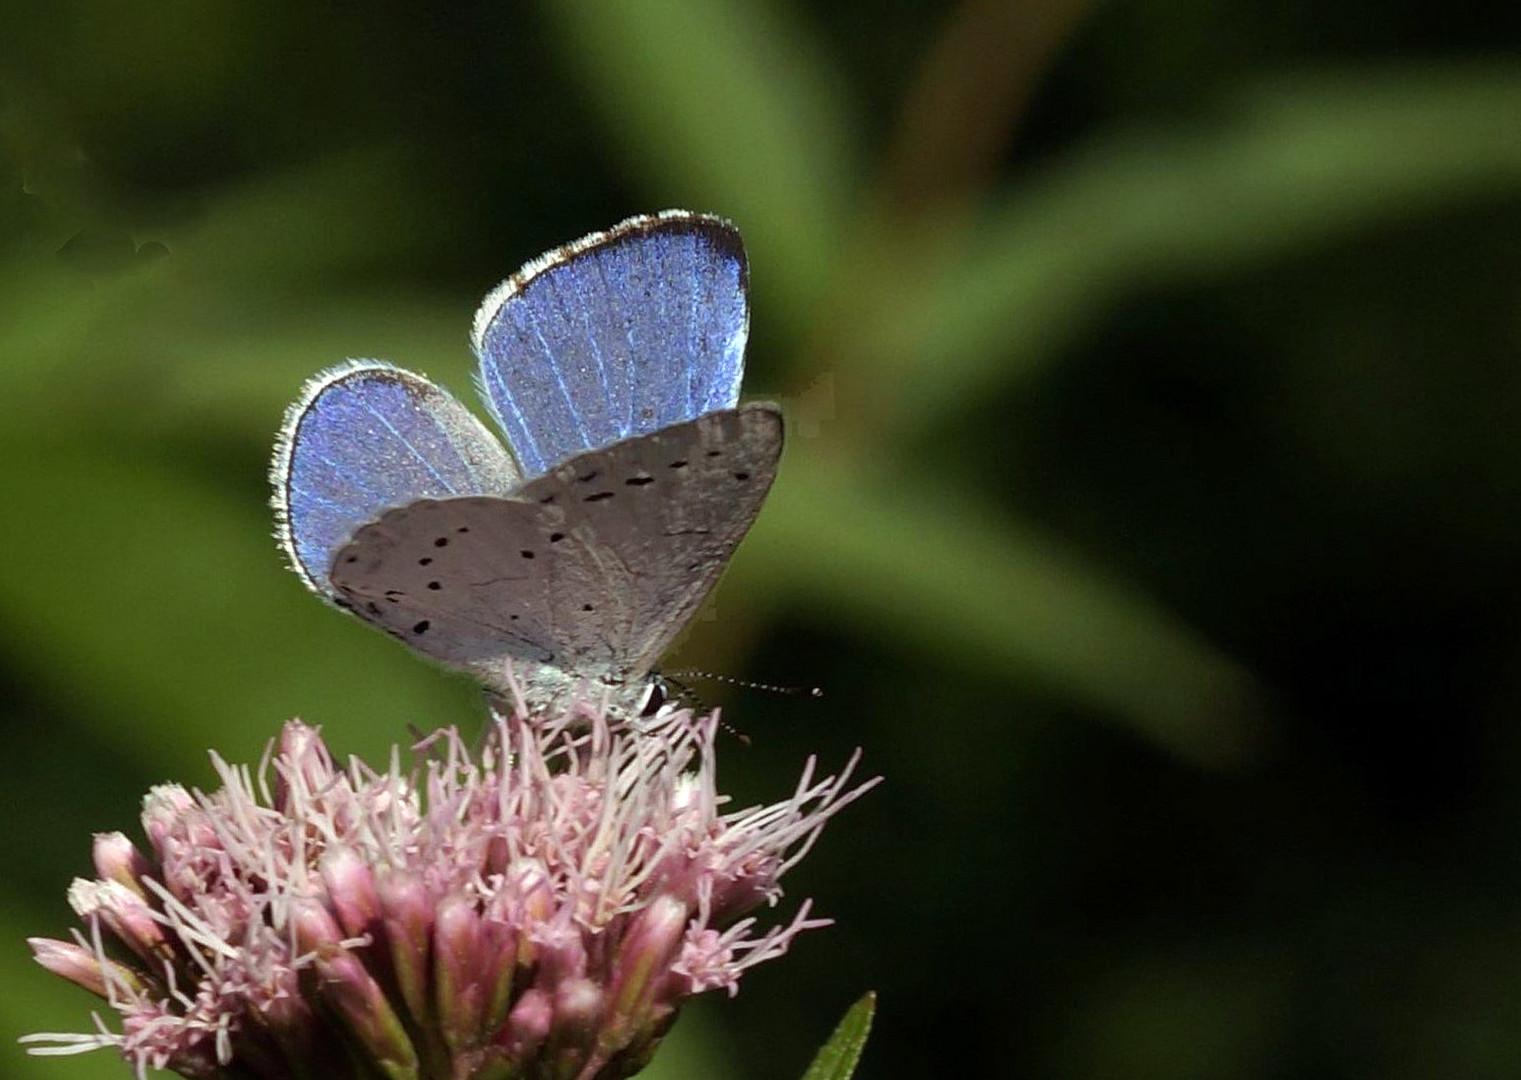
{"x":963,"y":108}
{"x":970,"y":96}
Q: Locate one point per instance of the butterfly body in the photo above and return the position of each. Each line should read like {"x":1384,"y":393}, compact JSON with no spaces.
{"x":567,"y":567}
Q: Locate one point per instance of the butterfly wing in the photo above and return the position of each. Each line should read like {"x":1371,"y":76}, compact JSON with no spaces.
{"x":616,"y":335}
{"x":594,"y":567}
{"x":363,"y":438}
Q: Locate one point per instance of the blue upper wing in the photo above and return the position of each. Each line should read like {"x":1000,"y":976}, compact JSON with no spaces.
{"x":366,"y":437}
{"x":619,"y":334}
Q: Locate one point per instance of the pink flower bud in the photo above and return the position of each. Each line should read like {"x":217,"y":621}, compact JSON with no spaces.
{"x":407,"y":915}
{"x":82,"y":967}
{"x":351,"y":891}
{"x":459,"y":979}
{"x":163,"y":807}
{"x":353,"y":993}
{"x":124,"y":913}
{"x":653,"y":943}
{"x":527,"y":1026}
{"x":117,"y":859}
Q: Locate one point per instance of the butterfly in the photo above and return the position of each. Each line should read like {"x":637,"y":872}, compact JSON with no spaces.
{"x":567,"y":560}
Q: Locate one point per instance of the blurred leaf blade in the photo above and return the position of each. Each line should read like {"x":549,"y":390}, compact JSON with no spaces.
{"x":301,"y":227}
{"x":255,"y":291}
{"x":837,"y":1058}
{"x":152,"y":591}
{"x":937,"y":576}
{"x":1302,"y":166}
{"x":728,"y":106}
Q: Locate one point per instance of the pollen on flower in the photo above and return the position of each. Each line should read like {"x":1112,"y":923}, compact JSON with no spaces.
{"x":541,"y":908}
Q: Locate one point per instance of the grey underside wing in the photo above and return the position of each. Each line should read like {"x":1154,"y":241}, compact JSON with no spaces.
{"x":594,"y":567}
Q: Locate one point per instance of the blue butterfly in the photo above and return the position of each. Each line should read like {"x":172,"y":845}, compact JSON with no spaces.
{"x":570,"y":563}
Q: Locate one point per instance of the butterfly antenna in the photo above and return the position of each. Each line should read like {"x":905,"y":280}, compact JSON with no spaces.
{"x":682,"y":689}
{"x":789,"y":691}
{"x":685,"y":691}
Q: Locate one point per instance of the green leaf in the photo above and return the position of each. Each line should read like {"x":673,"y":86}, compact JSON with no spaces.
{"x":837,"y":1058}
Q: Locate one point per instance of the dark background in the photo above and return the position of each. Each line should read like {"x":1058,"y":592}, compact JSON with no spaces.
{"x":1151,"y":513}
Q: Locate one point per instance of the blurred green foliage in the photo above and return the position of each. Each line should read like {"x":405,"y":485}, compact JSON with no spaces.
{"x":1150,"y":511}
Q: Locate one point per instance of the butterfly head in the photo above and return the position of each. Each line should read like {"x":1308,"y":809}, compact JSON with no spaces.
{"x":639,"y":701}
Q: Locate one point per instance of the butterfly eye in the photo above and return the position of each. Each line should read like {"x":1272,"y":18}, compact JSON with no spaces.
{"x":654,"y":699}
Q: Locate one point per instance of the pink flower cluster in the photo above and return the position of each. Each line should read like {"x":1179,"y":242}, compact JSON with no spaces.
{"x":539,"y":909}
